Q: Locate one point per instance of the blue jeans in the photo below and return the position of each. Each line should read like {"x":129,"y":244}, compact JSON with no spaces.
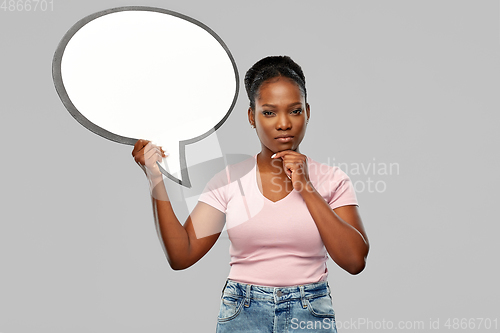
{"x":251,"y":308}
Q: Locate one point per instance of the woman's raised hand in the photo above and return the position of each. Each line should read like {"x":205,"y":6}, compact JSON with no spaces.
{"x":183,"y":245}
{"x":146,"y":154}
{"x":295,"y":167}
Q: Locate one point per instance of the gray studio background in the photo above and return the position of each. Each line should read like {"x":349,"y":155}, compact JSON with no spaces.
{"x":408,"y":84}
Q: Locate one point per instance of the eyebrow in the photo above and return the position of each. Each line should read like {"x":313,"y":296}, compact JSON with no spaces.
{"x":290,"y":105}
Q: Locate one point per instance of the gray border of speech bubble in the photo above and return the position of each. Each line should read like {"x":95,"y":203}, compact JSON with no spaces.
{"x":63,"y":95}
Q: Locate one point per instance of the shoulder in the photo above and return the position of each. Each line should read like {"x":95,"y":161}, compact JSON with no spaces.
{"x":233,"y":172}
{"x":225,"y":184}
{"x":321,"y":173}
{"x":332,"y":183}
{"x":238,"y":170}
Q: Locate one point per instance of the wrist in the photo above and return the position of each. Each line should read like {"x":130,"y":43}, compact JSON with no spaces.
{"x":154,"y":179}
{"x":306,"y":188}
{"x":157,"y":188}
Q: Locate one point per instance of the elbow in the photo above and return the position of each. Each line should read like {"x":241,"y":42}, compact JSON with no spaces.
{"x":358,"y":263}
{"x":356,"y":267}
{"x":178,"y":260}
{"x":177,"y":265}
{"x":178,"y":268}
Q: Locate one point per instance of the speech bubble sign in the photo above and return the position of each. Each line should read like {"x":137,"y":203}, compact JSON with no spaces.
{"x":150,"y":73}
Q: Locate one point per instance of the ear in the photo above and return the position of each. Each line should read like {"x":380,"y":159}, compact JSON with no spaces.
{"x":308,"y":111}
{"x":251,"y":116}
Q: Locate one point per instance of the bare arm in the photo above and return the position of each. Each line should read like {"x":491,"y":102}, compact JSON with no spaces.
{"x":184,"y":244}
{"x":341,"y":229}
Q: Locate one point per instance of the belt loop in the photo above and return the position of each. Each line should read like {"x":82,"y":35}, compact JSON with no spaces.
{"x":328,"y":287}
{"x":223,"y":288}
{"x":303,"y":296}
{"x":247,"y":295}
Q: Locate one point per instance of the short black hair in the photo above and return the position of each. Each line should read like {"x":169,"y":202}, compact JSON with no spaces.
{"x":271,"y":67}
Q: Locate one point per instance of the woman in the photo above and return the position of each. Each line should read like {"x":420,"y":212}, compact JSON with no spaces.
{"x":284,"y":212}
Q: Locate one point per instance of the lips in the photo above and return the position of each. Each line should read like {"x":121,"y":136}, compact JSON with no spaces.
{"x":284,"y":138}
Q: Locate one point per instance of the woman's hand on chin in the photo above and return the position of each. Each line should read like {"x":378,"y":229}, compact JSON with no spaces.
{"x":295,"y":166}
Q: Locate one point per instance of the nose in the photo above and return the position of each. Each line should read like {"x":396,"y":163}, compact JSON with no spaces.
{"x":283,"y":122}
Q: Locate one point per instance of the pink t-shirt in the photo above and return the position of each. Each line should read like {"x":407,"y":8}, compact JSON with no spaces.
{"x":275,"y":243}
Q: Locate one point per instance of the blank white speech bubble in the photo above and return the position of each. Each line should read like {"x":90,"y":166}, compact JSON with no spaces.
{"x":133,"y":73}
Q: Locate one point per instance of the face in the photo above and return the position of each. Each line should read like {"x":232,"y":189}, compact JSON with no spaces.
{"x":280,"y":115}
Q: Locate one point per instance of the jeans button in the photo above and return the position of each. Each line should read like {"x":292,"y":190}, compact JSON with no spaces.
{"x":279,"y":293}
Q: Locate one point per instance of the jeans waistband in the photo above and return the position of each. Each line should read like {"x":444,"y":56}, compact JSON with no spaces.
{"x":276,"y":294}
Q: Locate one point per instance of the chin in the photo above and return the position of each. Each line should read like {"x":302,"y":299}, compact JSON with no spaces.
{"x":286,"y":148}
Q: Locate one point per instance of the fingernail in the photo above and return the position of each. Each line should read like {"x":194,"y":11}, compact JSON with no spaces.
{"x":273,"y":155}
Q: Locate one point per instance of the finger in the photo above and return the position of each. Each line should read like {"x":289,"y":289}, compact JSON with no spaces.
{"x":283,"y":153}
{"x":288,"y":168}
{"x":295,"y":158}
{"x":152,"y":165}
{"x":141,"y":155}
{"x":139,"y":145}
{"x":153,"y":149}
{"x":296,"y":165}
{"x":292,"y":158}
{"x":288,"y":172}
{"x":278,"y":154}
{"x":152,"y":146}
{"x":149,"y":147}
{"x":138,"y":152}
{"x":292,"y":162}
{"x":164,"y":154}
{"x":154,"y":153}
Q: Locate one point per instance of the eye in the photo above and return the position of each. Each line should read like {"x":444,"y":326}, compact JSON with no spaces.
{"x":298,"y":111}
{"x":267,"y":113}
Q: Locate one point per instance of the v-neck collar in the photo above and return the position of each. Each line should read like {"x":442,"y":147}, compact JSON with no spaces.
{"x":256,"y":184}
